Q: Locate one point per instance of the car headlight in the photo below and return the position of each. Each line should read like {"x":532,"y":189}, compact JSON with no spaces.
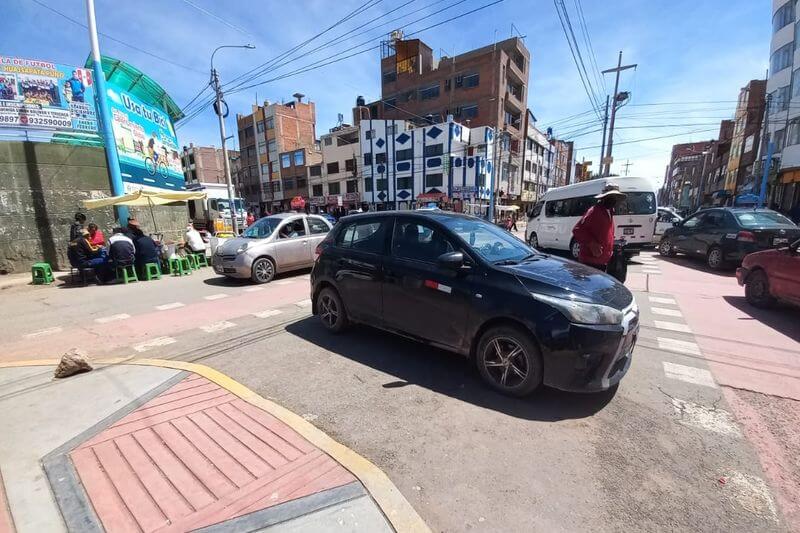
{"x":581,"y":312}
{"x":241,"y":249}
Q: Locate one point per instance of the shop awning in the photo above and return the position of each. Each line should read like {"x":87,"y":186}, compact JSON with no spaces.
{"x":145,"y":198}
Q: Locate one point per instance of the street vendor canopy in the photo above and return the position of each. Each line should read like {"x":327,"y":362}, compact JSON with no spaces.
{"x":145,"y":198}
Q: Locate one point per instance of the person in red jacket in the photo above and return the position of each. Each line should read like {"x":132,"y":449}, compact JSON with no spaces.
{"x":594,"y":232}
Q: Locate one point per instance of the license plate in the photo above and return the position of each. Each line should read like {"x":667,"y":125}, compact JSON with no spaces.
{"x":627,"y":231}
{"x":777,"y":241}
{"x":229,"y":270}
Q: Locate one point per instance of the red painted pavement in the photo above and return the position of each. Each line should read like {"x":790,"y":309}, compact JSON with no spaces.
{"x":6,"y":522}
{"x":194,"y":456}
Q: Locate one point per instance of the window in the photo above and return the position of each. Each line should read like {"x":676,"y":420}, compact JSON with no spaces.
{"x":390,"y":76}
{"x":433,"y":150}
{"x":248,"y":132}
{"x":314,"y":171}
{"x":757,"y":219}
{"x":781,"y":59}
{"x":364,"y":236}
{"x":692,"y":222}
{"x":302,"y":183}
{"x":460,"y":80}
{"x":419,"y":242}
{"x":391,"y":130}
{"x":367,"y":184}
{"x":349,"y":165}
{"x":369,"y":134}
{"x":316,"y":190}
{"x":262,"y":147}
{"x":292,"y":229}
{"x":251,"y":152}
{"x":263,"y":227}
{"x":469,"y":111}
{"x":428,"y":93}
{"x":793,"y":136}
{"x":796,"y":81}
{"x":191,"y":159}
{"x":778,"y":138}
{"x":317,"y":226}
{"x":555,"y":208}
{"x":288,"y":183}
{"x":637,"y":203}
{"x":783,"y":16}
{"x":528,"y":166}
{"x":299,"y":158}
{"x":351,"y":185}
{"x":286,"y":161}
{"x":404,"y":183}
{"x":333,"y":168}
{"x":447,"y":84}
{"x":380,"y":159}
{"x":780,"y":99}
{"x":265,"y":169}
{"x":536,"y":210}
{"x":373,"y":110}
{"x":334,"y":188}
{"x":272,"y":146}
{"x":328,"y":141}
{"x":260,"y":126}
{"x":382,"y":184}
{"x":276,"y":186}
{"x":433,"y":180}
{"x":471,"y":80}
{"x":368,"y":159}
{"x":269,"y":122}
{"x":404,"y":155}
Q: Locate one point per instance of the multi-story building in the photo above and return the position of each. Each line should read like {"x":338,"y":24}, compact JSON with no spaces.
{"x":295,"y":172}
{"x":270,"y":130}
{"x":537,"y":157}
{"x":683,"y":181}
{"x":339,"y":183}
{"x":717,"y":166}
{"x":483,"y":87}
{"x":745,"y":142}
{"x":204,"y":164}
{"x":445,"y":163}
{"x":783,"y":87}
{"x":563,"y":162}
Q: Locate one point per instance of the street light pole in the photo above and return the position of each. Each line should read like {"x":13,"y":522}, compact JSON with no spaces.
{"x":618,"y":69}
{"x":218,"y":110}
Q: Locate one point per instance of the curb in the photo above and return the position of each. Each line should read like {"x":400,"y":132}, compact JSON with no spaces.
{"x":15,"y":280}
{"x":402,"y":516}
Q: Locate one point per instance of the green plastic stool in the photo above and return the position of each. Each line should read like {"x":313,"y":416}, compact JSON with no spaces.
{"x":152,"y":271}
{"x":201,"y":259}
{"x":180,"y":266}
{"x":127,"y":274}
{"x":192,"y":261}
{"x":42,"y":274}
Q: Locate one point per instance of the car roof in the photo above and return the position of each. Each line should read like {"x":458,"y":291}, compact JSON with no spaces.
{"x":284,"y":215}
{"x":427,"y":215}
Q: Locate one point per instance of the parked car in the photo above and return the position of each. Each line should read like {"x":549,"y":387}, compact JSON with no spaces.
{"x":724,"y":236}
{"x":771,"y":275}
{"x":273,"y":244}
{"x":667,"y":217}
{"x":463,"y":284}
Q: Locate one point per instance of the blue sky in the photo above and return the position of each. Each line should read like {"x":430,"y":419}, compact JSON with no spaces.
{"x":687,"y":51}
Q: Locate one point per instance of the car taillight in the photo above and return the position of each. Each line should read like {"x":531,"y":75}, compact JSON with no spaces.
{"x":746,"y":236}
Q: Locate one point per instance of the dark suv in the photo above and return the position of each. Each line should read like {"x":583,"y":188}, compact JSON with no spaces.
{"x":724,"y":236}
{"x":463,"y":284}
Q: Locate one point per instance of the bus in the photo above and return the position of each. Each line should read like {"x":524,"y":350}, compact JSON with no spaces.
{"x":551,"y":220}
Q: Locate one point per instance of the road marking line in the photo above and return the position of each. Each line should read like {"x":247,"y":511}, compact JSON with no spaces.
{"x":158,"y":341}
{"x":660,"y":300}
{"x":268,"y":313}
{"x":219,"y":296}
{"x":665,"y":312}
{"x":173,"y":305}
{"x":303,"y":303}
{"x":254,"y":289}
{"x":112,"y":318}
{"x":707,"y":418}
{"x":675,"y":345}
{"x":283,"y":282}
{"x":651,"y":271}
{"x":43,"y":332}
{"x":217,"y":326}
{"x":689,"y":374}
{"x":672,"y":326}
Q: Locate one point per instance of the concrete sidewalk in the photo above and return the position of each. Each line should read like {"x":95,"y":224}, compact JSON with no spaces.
{"x":169,"y":446}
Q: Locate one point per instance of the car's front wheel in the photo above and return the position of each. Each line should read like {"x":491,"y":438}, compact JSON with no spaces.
{"x":665,"y":248}
{"x":533,"y":240}
{"x":331,"y":311}
{"x":263,"y":270}
{"x":756,"y":289}
{"x":509,"y":361}
{"x":715,"y":259}
{"x":575,"y":249}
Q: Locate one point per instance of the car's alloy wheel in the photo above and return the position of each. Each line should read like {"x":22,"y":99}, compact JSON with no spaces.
{"x":533,"y":241}
{"x":331,"y":311}
{"x":756,"y":289}
{"x":509,"y":361}
{"x":263,"y":270}
{"x":575,"y":248}
{"x":714,"y":259}
{"x":665,"y":248}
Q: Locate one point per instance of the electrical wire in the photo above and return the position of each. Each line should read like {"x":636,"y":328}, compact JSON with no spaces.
{"x":650,"y":139}
{"x":218,"y":18}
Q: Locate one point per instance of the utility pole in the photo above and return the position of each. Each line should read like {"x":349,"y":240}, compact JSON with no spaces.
{"x":603,"y":144}
{"x":104,"y":116}
{"x":617,"y":70}
{"x":226,"y":163}
{"x":627,"y":165}
{"x":762,"y":194}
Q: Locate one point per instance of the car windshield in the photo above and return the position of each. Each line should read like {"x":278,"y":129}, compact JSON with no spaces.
{"x":262,"y":228}
{"x":756,"y":219}
{"x":637,"y":203}
{"x":487,"y":240}
{"x":224,"y":205}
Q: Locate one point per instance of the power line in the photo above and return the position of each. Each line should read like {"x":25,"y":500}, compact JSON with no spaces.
{"x":650,"y":139}
{"x":118,"y":41}
{"x":218,"y":18}
{"x":205,"y":87}
{"x":599,"y":77}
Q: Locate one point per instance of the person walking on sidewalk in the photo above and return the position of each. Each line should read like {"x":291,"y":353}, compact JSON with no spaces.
{"x":594,"y":232}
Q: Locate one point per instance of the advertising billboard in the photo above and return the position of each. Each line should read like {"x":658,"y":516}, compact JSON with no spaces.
{"x":42,"y":95}
{"x":146,"y":143}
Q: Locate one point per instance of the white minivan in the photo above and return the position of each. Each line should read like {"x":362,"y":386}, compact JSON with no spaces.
{"x":551,"y":220}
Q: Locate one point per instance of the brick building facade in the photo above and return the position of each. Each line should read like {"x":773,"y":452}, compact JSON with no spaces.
{"x":204,"y":164}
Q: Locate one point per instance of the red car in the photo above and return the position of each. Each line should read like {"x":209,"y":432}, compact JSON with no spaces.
{"x":771,"y":275}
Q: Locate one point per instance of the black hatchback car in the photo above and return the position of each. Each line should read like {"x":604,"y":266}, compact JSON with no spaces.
{"x":724,"y":236}
{"x":463,"y":284}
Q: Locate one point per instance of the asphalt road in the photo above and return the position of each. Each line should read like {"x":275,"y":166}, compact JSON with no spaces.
{"x":664,"y":452}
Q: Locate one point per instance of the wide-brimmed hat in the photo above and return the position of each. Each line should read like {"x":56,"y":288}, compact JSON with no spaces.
{"x":133,"y":222}
{"x":610,"y":190}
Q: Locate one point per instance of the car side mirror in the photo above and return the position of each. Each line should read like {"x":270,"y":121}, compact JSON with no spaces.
{"x":676,"y":224}
{"x":451,"y":261}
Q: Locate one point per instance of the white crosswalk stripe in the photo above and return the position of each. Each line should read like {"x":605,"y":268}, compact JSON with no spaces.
{"x":159,"y":341}
{"x":217,"y":326}
{"x":268,"y":313}
{"x":219,"y":296}
{"x":672,"y":326}
{"x":660,"y":300}
{"x":689,"y":348}
{"x":665,"y":312}
{"x":44,"y":332}
{"x":689,"y":374}
{"x":707,"y":418}
{"x":303,"y":303}
{"x":173,"y":305}
{"x":254,"y":289}
{"x":112,"y":318}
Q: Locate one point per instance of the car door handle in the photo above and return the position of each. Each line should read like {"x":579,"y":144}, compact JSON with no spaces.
{"x":305,"y":242}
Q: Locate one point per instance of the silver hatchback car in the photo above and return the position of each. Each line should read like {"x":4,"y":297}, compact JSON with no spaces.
{"x":273,"y":244}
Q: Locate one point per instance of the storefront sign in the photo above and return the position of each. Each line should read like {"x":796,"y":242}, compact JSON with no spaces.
{"x":352,"y":197}
{"x":317,"y":200}
{"x":40,"y":95}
